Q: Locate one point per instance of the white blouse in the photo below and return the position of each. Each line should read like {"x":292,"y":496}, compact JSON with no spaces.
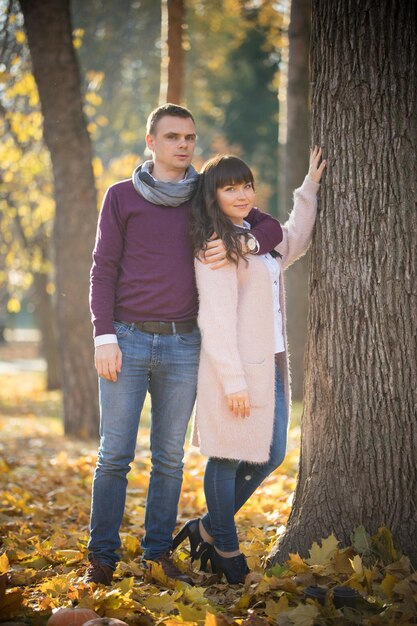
{"x":274,"y":272}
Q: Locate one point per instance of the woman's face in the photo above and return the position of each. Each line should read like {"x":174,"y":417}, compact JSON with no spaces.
{"x":236,"y":201}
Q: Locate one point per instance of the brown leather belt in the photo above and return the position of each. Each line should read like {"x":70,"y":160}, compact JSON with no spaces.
{"x":166,"y":328}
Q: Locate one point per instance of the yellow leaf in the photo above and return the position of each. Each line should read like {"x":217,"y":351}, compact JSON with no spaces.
{"x":211,"y":620}
{"x":388,"y":584}
{"x":156,"y":573}
{"x":296,"y":564}
{"x":356,"y":563}
{"x":303,"y":615}
{"x":273,"y":608}
{"x":341,"y":560}
{"x":20,"y":36}
{"x":268,"y":583}
{"x":195,"y":595}
{"x":130,"y":544}
{"x":35,"y":562}
{"x":190,"y":613}
{"x":255,"y":533}
{"x":13,"y":305}
{"x":69,"y":557}
{"x":97,"y":167}
{"x":162,"y":603}
{"x":384,"y":543}
{"x":125,"y":585}
{"x":319,"y":555}
{"x":4,"y":564}
{"x":370,"y":575}
{"x":55,"y":586}
{"x":243,"y":601}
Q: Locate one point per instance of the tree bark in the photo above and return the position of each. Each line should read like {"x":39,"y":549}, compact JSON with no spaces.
{"x":49,"y":33}
{"x":359,"y":437}
{"x":173,"y":12}
{"x":296,"y":165}
{"x":46,"y":321}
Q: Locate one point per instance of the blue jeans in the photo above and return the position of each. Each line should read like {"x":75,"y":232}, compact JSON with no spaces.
{"x":229,"y":484}
{"x":167,"y":366}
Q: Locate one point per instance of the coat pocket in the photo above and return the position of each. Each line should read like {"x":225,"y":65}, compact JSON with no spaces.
{"x":257,"y":381}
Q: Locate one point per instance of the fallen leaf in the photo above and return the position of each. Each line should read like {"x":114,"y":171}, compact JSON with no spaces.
{"x":320,"y":555}
{"x":274,"y":608}
{"x":303,"y":615}
{"x":161,"y":603}
{"x":388,"y":584}
{"x":296,"y":564}
{"x":190,"y":613}
{"x":4,"y":564}
{"x":361,"y":540}
{"x":357,"y":565}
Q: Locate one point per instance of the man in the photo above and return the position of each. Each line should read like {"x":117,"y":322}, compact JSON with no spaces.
{"x":144,"y":306}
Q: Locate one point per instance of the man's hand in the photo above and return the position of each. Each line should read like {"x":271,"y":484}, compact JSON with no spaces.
{"x":108,"y":361}
{"x":215,"y":253}
{"x":239,"y":403}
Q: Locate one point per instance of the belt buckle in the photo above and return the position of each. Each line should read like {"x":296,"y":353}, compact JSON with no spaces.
{"x":165,"y":328}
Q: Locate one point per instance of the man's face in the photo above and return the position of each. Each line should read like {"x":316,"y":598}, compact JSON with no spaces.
{"x":173,"y":143}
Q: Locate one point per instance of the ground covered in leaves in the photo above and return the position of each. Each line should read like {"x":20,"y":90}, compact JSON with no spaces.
{"x":45,"y":482}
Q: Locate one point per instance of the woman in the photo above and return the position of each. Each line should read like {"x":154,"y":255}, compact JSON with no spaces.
{"x":243,"y":391}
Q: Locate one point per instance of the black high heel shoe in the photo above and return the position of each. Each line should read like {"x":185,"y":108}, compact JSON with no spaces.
{"x":198,"y":546}
{"x":234,"y":568}
{"x":206,"y":555}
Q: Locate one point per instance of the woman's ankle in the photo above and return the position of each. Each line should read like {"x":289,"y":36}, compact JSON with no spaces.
{"x":227,"y":555}
{"x":204,"y":534}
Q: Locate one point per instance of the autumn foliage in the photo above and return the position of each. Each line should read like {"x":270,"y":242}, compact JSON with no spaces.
{"x":44,"y":515}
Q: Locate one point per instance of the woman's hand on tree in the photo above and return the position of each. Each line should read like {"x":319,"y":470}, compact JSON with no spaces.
{"x":239,"y":403}
{"x":316,"y":168}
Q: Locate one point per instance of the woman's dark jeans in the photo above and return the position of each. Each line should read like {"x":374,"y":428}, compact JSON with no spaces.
{"x":229,"y":484}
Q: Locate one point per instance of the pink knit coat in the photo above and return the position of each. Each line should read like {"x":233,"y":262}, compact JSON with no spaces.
{"x":237,"y":349}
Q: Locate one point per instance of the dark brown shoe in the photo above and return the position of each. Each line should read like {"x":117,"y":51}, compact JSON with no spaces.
{"x":171,"y":570}
{"x":98,"y":573}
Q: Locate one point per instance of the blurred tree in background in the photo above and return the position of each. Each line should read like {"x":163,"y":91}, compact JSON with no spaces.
{"x":172,"y":51}
{"x":295,"y":167}
{"x":119,"y":51}
{"x":56,"y":71}
{"x":232,"y":84}
{"x":26,"y":195}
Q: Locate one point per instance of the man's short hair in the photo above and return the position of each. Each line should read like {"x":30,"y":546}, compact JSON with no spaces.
{"x":174,"y":110}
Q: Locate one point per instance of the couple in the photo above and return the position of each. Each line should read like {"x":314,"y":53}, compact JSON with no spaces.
{"x":145,"y":303}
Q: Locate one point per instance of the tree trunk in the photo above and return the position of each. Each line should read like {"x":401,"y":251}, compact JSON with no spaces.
{"x":48,"y":28}
{"x":359,"y":436}
{"x":46,"y":320}
{"x":296,"y":165}
{"x":172,"y":62}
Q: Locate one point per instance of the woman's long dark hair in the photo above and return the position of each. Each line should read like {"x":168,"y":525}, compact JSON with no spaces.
{"x":206,"y":215}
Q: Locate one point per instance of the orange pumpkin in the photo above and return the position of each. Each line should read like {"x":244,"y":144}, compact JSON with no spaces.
{"x":71,"y":617}
{"x":106,"y":621}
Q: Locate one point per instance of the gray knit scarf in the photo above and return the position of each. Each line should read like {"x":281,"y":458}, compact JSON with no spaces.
{"x":165,"y":194}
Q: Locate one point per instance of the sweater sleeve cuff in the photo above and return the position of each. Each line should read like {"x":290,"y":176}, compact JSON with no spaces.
{"x":102,"y":340}
{"x":235,"y":384}
{"x":309,"y":185}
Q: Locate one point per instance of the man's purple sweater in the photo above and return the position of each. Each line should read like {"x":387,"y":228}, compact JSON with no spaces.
{"x":143,"y":266}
